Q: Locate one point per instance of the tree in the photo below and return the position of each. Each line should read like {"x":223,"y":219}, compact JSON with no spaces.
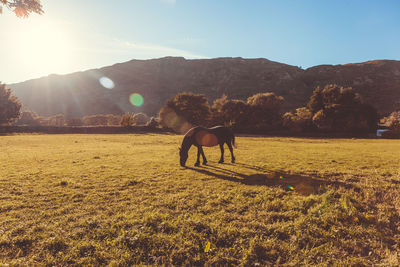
{"x":22,"y":8}
{"x":298,"y":121}
{"x":261,"y":112}
{"x":316,"y":103}
{"x":217,"y":115}
{"x":185,"y":110}
{"x":267,"y":101}
{"x":265,"y":111}
{"x":10,"y":107}
{"x":233,"y":113}
{"x":339,"y":109}
{"x":229,"y":112}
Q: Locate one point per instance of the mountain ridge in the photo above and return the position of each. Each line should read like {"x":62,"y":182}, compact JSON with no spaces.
{"x":157,"y":80}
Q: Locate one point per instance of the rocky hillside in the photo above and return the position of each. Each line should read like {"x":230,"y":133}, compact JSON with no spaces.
{"x":157,"y":80}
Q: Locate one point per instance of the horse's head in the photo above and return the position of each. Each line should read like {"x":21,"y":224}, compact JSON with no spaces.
{"x":183,"y":155}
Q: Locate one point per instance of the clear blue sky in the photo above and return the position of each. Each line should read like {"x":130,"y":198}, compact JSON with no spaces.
{"x":77,"y":35}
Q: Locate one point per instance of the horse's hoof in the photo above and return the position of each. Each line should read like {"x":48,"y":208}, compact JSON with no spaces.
{"x":233,"y":161}
{"x":221,"y":161}
{"x":197,"y":164}
{"x":205,"y":163}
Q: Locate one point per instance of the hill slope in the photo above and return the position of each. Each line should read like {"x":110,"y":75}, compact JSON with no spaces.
{"x":157,"y":80}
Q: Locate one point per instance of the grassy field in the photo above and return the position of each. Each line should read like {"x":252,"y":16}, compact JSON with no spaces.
{"x":123,"y":199}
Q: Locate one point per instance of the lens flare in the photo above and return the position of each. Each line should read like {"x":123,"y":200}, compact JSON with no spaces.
{"x":107,"y":82}
{"x":171,"y":120}
{"x":185,"y":127}
{"x":136,"y":100}
{"x":291,"y":187}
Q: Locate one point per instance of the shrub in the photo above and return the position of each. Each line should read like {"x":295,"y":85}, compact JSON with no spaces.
{"x":393,"y":121}
{"x":74,"y":122}
{"x":153,"y":123}
{"x":126,"y":120}
{"x":140,"y":119}
{"x":95,"y":120}
{"x":10,"y":106}
{"x":57,"y":120}
{"x":113,"y":119}
{"x":28,"y":118}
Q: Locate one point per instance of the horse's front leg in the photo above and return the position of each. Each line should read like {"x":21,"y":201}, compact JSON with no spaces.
{"x":204,"y":156}
{"x":198,"y":156}
{"x":221,"y":146}
{"x":231,"y":149}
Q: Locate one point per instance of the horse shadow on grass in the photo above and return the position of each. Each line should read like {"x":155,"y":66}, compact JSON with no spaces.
{"x":301,"y":184}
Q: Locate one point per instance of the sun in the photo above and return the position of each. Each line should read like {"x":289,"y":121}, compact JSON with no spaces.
{"x":44,"y":48}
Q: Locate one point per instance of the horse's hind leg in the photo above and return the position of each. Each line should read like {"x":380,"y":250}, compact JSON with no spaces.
{"x":221,"y":146}
{"x":198,"y":156}
{"x":231,"y":149}
{"x":204,"y":156}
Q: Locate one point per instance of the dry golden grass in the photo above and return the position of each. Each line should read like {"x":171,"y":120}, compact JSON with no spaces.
{"x":124,"y":199}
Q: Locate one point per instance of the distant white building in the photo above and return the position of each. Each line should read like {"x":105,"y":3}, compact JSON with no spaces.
{"x":381,"y":129}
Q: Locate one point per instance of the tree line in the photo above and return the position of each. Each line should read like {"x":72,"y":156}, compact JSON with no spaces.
{"x":330,"y":109}
{"x":29,"y":118}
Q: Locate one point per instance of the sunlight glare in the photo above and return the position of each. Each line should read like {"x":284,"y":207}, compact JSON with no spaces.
{"x":44,"y":48}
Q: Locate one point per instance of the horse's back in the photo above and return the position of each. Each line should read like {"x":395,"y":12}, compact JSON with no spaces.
{"x":217,"y":127}
{"x":222,"y":130}
{"x":196,"y":129}
{"x":209,"y":136}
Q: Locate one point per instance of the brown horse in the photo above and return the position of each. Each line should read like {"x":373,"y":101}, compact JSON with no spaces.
{"x":200,"y":136}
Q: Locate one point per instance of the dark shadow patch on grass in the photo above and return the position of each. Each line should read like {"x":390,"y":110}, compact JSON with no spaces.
{"x":24,"y":244}
{"x":301,"y":184}
{"x":131,"y":183}
{"x":226,"y":171}
{"x":395,"y":181}
{"x":217,"y":175}
{"x":56,"y":245}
